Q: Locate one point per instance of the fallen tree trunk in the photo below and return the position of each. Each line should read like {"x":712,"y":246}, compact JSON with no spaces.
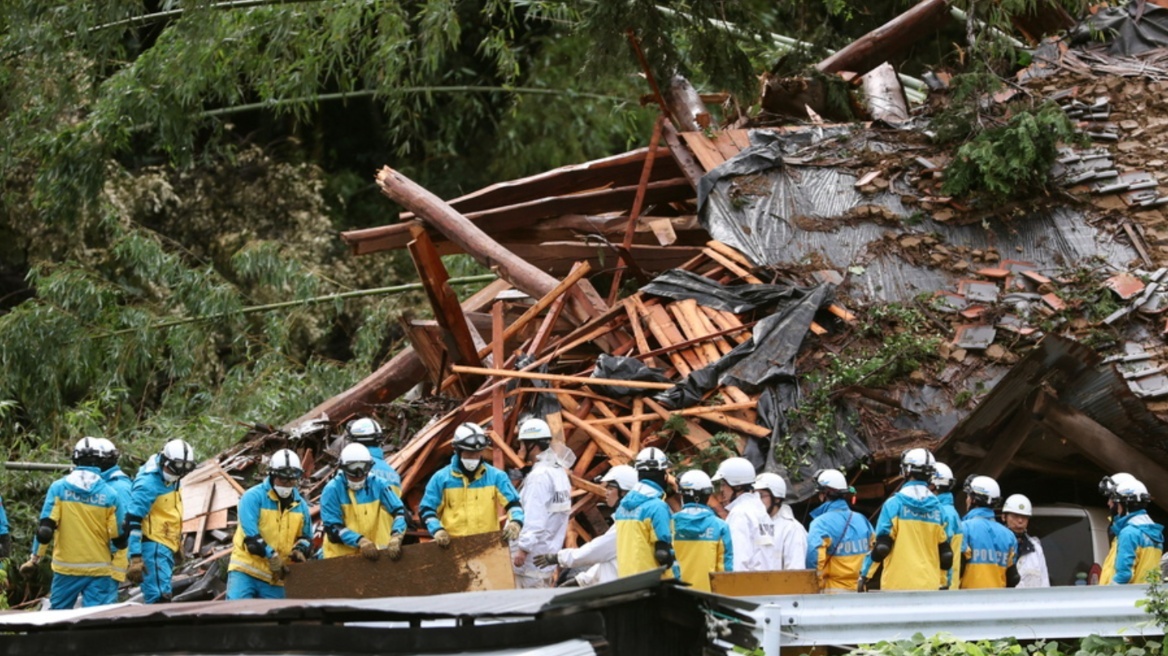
{"x":890,"y":39}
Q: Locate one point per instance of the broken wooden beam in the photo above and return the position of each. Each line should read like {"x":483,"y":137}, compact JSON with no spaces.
{"x":447,"y":311}
{"x":578,"y":380}
{"x":888,"y":41}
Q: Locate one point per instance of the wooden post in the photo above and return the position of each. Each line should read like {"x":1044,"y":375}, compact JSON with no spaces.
{"x":447,"y":310}
{"x":635,"y":213}
{"x":890,"y":39}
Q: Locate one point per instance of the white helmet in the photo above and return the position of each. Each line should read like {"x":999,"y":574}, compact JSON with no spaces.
{"x":366,"y":431}
{"x":470,"y":437}
{"x":285,"y":464}
{"x":1108,"y":485}
{"x":735,"y":471}
{"x":1131,"y":492}
{"x":534,"y":430}
{"x":772,"y":483}
{"x":177,"y":457}
{"x":984,"y":489}
{"x":942,"y":477}
{"x":831,"y":480}
{"x":651,"y":459}
{"x":1017,"y":504}
{"x":86,"y":453}
{"x":624,"y":476}
{"x":917,"y":463}
{"x":696,"y":481}
{"x":356,"y":461}
{"x":107,"y":453}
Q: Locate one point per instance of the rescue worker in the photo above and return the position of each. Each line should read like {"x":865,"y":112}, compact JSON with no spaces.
{"x":839,"y":538}
{"x":751,"y":527}
{"x":644,"y":522}
{"x":1031,"y":563}
{"x":700,"y":538}
{"x":112,"y":474}
{"x":5,"y":533}
{"x":154,"y":519}
{"x":274,"y":529}
{"x":599,"y":555}
{"x":790,"y":547}
{"x":460,"y":498}
{"x":368,"y":433}
{"x":81,"y":517}
{"x":989,"y":549}
{"x":546,"y":497}
{"x":360,"y":512}
{"x":942,"y":486}
{"x":1107,"y":489}
{"x":911,"y":547}
{"x":1139,"y":541}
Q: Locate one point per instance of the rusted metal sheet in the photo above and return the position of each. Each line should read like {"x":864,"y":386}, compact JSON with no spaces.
{"x":753,"y":584}
{"x":477,"y":562}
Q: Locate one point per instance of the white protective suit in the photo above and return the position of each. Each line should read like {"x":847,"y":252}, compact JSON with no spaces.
{"x":790,"y":548}
{"x":753,"y":534}
{"x":600,"y":553}
{"x":1032,"y":567}
{"x":546,"y":497}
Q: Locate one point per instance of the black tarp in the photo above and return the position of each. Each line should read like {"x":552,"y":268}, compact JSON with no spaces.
{"x":1129,"y":30}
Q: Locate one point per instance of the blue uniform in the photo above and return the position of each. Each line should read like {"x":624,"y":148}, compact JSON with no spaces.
{"x":466,"y":506}
{"x":989,"y":550}
{"x":374,"y":512}
{"x":382,"y":469}
{"x":837,"y":543}
{"x":642,"y":520}
{"x":952,"y":578}
{"x":702,"y":542}
{"x":268,"y":526}
{"x":155,"y":522}
{"x":912,"y":519}
{"x":121,"y":484}
{"x":1138,"y":548}
{"x":86,"y":517}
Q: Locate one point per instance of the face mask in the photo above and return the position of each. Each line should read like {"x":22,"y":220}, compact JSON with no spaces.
{"x":470,"y":464}
{"x":355,"y":485}
{"x":282,"y":492}
{"x":168,"y":477}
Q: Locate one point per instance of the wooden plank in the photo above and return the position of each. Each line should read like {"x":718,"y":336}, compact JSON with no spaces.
{"x":682,"y":155}
{"x":580,"y":380}
{"x":696,"y":411}
{"x":635,"y":440}
{"x":607,"y":412}
{"x":444,"y":302}
{"x":730,"y":252}
{"x":697,"y":436}
{"x":532,"y":312}
{"x":476,"y":562}
{"x":595,"y":489}
{"x":663,"y":230}
{"x":584,"y":461}
{"x":667,"y":334}
{"x":753,"y":584}
{"x":498,"y":422}
{"x":616,"y":452}
{"x":726,"y":146}
{"x":727,"y":321}
{"x":683,"y":312}
{"x":704,"y":149}
{"x":737,"y":269}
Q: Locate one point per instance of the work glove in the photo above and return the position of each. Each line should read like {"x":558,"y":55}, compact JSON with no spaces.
{"x":28,"y":567}
{"x":136,"y":570}
{"x":297,"y":557}
{"x":368,"y":549}
{"x":394,"y":548}
{"x":301,"y":551}
{"x":862,"y":584}
{"x":442,"y":538}
{"x":511,"y":531}
{"x":545,"y":560}
{"x":277,"y":566}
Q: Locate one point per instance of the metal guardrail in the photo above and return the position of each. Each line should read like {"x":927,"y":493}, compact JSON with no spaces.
{"x":1026,"y":614}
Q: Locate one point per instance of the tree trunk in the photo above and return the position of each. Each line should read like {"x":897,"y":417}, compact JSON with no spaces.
{"x":887,"y":41}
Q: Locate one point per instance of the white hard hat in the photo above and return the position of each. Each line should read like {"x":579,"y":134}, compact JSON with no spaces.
{"x":735,"y":471}
{"x":1017,"y":504}
{"x":918,"y":462}
{"x":831,"y":479}
{"x":107,"y":453}
{"x":1108,"y":485}
{"x":651,"y":459}
{"x":695,"y":480}
{"x":624,"y":476}
{"x":772,"y":483}
{"x":86,"y":452}
{"x":534,"y":430}
{"x":942,"y":477}
{"x":984,"y":488}
{"x":356,"y":461}
{"x":178,"y":457}
{"x":285,"y":464}
{"x":470,"y":437}
{"x":366,"y":430}
{"x":1131,"y":491}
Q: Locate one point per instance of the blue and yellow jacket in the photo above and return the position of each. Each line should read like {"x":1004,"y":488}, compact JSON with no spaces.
{"x":702,"y":543}
{"x":912,"y":518}
{"x":467,"y":506}
{"x":374,"y":512}
{"x":156,"y":510}
{"x":268,"y":526}
{"x":121,"y":484}
{"x":382,"y":469}
{"x":1135,"y":552}
{"x":952,"y":578}
{"x":642,"y":520}
{"x":837,"y":543}
{"x":989,"y":550}
{"x":4,"y":530}
{"x":86,"y":517}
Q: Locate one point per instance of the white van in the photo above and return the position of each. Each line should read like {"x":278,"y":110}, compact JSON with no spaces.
{"x":1075,"y":540}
